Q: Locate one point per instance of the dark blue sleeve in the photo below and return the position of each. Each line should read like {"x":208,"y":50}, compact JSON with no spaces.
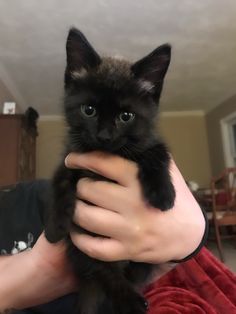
{"x":22,"y":211}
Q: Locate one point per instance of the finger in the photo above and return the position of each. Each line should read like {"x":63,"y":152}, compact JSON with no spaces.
{"x":98,"y":247}
{"x":110,"y":166}
{"x":98,"y":220}
{"x":104,"y":194}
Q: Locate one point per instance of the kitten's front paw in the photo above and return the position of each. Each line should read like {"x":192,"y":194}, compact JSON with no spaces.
{"x":138,"y":306}
{"x":55,"y":233}
{"x":162,"y":197}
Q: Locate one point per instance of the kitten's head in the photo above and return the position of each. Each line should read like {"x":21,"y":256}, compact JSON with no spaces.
{"x":111,"y":104}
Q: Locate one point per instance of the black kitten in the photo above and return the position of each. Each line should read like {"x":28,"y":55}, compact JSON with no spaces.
{"x":111,"y":106}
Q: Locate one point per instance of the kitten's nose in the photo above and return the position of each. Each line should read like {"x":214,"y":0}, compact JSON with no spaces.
{"x":104,"y":135}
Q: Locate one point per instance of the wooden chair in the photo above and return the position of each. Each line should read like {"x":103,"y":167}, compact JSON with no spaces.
{"x":223,"y":190}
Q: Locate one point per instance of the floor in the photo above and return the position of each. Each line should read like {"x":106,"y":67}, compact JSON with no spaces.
{"x":229,"y":251}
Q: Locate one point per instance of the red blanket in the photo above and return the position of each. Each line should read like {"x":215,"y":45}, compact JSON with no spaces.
{"x":198,"y":286}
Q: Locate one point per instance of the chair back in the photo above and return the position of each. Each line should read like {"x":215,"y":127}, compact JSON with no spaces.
{"x":223,"y":190}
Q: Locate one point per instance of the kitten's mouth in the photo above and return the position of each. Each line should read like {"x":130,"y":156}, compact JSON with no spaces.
{"x":110,"y":147}
{"x":89,"y":145}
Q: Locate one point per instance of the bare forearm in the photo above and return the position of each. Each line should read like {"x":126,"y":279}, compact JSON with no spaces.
{"x":25,"y":282}
{"x":16,"y":275}
{"x":187,"y":219}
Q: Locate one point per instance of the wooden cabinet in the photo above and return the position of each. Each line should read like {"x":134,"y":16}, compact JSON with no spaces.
{"x":17,"y":149}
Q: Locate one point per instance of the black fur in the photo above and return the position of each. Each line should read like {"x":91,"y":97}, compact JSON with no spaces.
{"x":112,"y":87}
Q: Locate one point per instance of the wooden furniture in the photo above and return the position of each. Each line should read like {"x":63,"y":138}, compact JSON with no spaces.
{"x":223,"y":190}
{"x":204,"y":198}
{"x":17,"y":149}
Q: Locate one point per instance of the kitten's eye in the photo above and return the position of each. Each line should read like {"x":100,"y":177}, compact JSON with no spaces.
{"x":126,"y":117}
{"x":88,"y":111}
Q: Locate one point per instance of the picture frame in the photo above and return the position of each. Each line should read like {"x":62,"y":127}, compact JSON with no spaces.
{"x":9,"y":107}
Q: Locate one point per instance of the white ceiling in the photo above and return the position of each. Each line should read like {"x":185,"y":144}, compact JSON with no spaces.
{"x":202,"y":33}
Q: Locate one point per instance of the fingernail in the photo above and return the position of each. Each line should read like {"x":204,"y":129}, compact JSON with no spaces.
{"x":66,"y":160}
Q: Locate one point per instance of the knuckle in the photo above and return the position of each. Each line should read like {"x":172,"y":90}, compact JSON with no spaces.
{"x":83,"y":188}
{"x":132,"y":252}
{"x":139,"y":244}
{"x":96,"y":251}
{"x":93,"y":251}
{"x":82,"y":215}
{"x":137,"y":230}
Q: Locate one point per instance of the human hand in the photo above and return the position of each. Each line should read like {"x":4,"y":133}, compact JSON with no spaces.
{"x":129,"y":228}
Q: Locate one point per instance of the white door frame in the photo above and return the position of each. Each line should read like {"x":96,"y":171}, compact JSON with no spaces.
{"x":225,"y":132}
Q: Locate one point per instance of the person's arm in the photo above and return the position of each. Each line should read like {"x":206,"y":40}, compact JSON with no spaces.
{"x":34,"y":277}
{"x":137,"y":232}
{"x":130,"y":228}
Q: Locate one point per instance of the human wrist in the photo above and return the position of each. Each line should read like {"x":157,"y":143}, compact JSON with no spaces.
{"x":191,"y":229}
{"x":187,"y":217}
{"x":195,"y":240}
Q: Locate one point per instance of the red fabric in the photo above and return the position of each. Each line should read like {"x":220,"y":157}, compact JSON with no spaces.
{"x":198,"y":286}
{"x":222,"y":198}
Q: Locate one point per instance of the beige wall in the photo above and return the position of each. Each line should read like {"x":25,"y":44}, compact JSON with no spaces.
{"x":186,"y":136}
{"x":214,"y":133}
{"x":5,"y":95}
{"x":49,"y":146}
{"x":187,"y":139}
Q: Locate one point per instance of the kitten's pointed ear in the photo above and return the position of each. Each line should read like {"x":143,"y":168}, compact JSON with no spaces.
{"x":152,"y":69}
{"x":81,"y":56}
